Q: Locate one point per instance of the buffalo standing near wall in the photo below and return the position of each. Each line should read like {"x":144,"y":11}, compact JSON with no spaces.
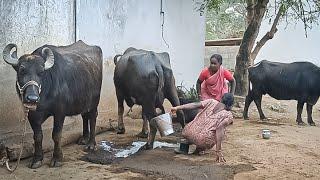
{"x":58,"y":81}
{"x":144,"y":78}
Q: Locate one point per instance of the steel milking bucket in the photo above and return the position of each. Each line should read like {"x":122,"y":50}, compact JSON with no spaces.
{"x":164,"y":124}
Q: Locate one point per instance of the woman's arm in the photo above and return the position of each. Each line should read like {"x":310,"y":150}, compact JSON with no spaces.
{"x":227,"y":74}
{"x":233,"y":85}
{"x":219,"y":139}
{"x":186,"y":106}
{"x":220,"y":136}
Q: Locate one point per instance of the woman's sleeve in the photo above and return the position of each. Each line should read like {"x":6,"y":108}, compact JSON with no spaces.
{"x":230,"y":117}
{"x":227,"y":120}
{"x":204,"y":103}
{"x":203,"y":75}
{"x":227,"y":74}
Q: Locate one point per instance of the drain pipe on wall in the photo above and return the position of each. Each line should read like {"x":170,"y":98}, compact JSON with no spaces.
{"x":162,"y":24}
{"x":75,"y":19}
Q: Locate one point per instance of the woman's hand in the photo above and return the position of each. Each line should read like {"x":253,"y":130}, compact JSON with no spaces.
{"x":174,"y":110}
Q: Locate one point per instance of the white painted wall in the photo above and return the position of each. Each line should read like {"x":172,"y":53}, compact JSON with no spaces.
{"x":116,"y":25}
{"x":290,"y":44}
{"x":29,"y":24}
{"x":113,"y":25}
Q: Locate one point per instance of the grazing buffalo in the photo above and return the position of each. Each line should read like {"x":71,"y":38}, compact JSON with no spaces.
{"x":144,"y":78}
{"x":58,"y":81}
{"x":294,"y":81}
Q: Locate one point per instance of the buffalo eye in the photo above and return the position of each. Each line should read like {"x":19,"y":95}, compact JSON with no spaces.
{"x":22,"y":70}
{"x":41,"y":71}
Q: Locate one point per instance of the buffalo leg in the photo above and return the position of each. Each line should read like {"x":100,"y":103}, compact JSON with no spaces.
{"x":257,"y":101}
{"x":172,"y":96}
{"x":249,"y":99}
{"x":152,"y":134}
{"x":120,"y":98}
{"x":85,"y":126}
{"x":150,"y":112}
{"x":309,"y":112}
{"x":299,"y":112}
{"x":57,"y":157}
{"x":144,"y":131}
{"x":35,"y":121}
{"x":92,"y":116}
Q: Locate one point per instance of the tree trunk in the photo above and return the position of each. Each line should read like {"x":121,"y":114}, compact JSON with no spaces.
{"x":250,"y":11}
{"x":243,"y":59}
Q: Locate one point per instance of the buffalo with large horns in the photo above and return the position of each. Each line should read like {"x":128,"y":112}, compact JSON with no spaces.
{"x":58,"y":81}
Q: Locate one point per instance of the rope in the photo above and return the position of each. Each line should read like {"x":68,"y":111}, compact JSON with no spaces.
{"x":5,"y":160}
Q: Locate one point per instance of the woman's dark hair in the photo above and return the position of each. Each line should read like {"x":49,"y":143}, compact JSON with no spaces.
{"x":227,"y":100}
{"x":218,"y":57}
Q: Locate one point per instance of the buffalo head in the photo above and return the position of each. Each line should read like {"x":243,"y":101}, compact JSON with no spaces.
{"x":30,"y":69}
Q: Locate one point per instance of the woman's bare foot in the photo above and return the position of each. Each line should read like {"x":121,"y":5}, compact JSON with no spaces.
{"x":220,"y":158}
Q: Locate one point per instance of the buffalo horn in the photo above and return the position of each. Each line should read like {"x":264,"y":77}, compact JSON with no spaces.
{"x":10,"y":58}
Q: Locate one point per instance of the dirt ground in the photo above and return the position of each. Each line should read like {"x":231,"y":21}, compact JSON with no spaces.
{"x":292,"y":152}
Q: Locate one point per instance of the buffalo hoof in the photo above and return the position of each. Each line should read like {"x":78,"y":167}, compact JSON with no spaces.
{"x":55,"y":163}
{"x":148,"y":146}
{"x":142,"y":135}
{"x":264,"y":119}
{"x":35,"y":164}
{"x":91,"y":147}
{"x":312,"y":124}
{"x":301,"y":123}
{"x":83,"y":140}
{"x":121,"y":130}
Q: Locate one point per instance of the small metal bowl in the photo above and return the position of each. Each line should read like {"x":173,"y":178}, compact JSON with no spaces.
{"x":266,"y":134}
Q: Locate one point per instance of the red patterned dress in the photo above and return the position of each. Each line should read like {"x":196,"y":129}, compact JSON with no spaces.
{"x":202,"y":130}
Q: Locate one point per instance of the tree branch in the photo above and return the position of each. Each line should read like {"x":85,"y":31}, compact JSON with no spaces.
{"x":269,"y":35}
{"x":254,"y":25}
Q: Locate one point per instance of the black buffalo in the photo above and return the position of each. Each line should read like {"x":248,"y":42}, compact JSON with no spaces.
{"x":58,"y":81}
{"x":144,"y":78}
{"x":189,"y":114}
{"x":294,"y":81}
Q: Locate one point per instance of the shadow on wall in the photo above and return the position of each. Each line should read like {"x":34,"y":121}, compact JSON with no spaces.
{"x":10,"y":106}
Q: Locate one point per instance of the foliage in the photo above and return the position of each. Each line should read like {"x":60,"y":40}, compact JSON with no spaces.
{"x":305,"y":11}
{"x":294,"y":11}
{"x":188,"y":94}
{"x":226,"y":22}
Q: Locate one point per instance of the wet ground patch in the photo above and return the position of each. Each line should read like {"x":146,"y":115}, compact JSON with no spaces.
{"x":100,"y":156}
{"x":164,"y":163}
{"x":107,"y":152}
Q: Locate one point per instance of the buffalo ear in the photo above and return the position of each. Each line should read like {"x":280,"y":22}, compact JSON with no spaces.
{"x":15,"y":68}
{"x":47,"y":54}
